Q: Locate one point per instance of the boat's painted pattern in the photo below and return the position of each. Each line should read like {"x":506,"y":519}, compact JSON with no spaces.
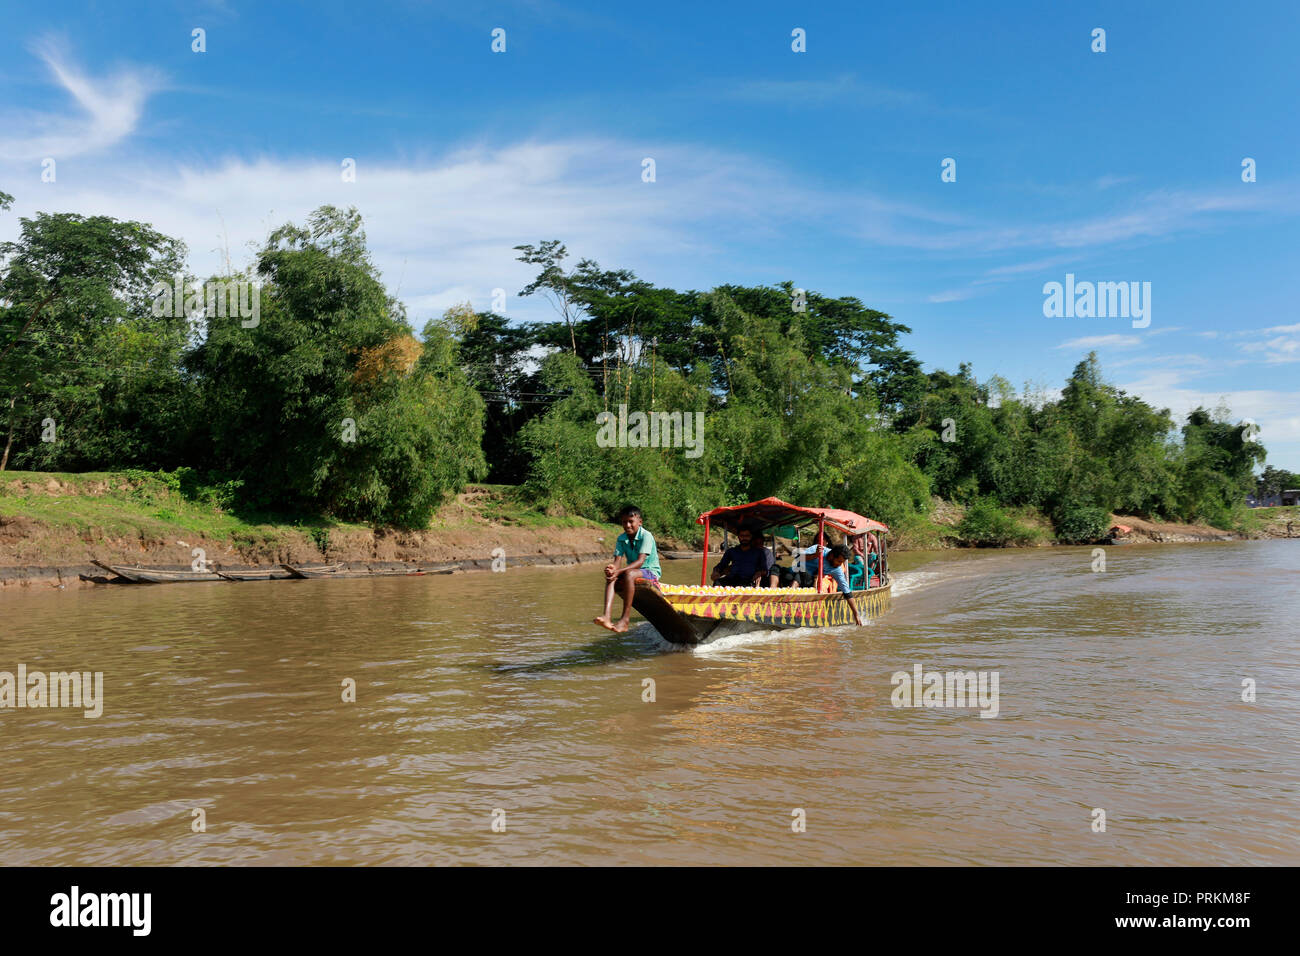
{"x":782,"y":607}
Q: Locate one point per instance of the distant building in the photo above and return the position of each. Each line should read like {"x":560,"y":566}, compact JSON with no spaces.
{"x":1286,"y":498}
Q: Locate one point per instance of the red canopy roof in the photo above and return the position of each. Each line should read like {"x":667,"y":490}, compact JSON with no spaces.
{"x":774,"y":511}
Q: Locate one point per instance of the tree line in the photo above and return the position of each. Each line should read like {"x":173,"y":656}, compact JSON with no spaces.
{"x":329,"y":402}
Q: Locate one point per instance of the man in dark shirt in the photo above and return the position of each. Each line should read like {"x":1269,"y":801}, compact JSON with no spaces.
{"x":745,"y":565}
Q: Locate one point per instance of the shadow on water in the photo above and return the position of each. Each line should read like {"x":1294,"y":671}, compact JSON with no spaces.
{"x":640,"y":642}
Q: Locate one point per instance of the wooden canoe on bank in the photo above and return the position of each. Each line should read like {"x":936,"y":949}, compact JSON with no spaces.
{"x":255,"y":574}
{"x":686,"y":614}
{"x":157,"y":575}
{"x":318,"y":571}
{"x":139,"y":575}
{"x":339,"y":571}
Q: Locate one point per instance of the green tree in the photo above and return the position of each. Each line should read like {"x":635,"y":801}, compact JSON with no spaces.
{"x":495,"y":357}
{"x":329,"y":402}
{"x":1273,"y":481}
{"x":1218,"y":462}
{"x":81,"y":347}
{"x":780,"y":419}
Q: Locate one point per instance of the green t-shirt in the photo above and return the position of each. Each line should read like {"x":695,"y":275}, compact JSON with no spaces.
{"x":643,"y":543}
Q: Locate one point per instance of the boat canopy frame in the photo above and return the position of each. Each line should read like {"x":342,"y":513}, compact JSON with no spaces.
{"x":773,"y":512}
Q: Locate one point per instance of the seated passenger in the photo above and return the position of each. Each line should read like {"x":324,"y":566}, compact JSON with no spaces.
{"x":748,"y":564}
{"x":833,"y":568}
{"x":855,"y":569}
{"x":786,"y":577}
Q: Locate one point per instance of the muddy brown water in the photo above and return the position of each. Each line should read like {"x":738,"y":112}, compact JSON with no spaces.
{"x":490,"y":697}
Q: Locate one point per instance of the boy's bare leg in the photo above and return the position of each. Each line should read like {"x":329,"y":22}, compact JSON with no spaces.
{"x":626,"y":587}
{"x":604,"y":620}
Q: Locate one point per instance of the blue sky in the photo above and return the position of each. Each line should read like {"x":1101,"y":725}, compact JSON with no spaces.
{"x":821,"y":167}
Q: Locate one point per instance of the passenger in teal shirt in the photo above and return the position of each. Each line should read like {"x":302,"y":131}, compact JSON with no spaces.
{"x":637,"y":546}
{"x":642,"y":543}
{"x":834,"y":567}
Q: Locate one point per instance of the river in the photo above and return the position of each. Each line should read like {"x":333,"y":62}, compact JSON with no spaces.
{"x":494,"y":724}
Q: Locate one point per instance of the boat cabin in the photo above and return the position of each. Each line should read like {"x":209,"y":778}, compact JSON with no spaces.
{"x":773,"y":519}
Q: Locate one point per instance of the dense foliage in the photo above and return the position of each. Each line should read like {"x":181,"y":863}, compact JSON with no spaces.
{"x":985,"y":524}
{"x":330,"y":402}
{"x":1274,"y":481}
{"x":323,"y":401}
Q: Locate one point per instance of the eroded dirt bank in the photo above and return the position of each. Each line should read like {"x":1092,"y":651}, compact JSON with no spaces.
{"x":70,"y":524}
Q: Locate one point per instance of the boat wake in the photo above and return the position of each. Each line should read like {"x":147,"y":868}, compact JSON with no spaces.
{"x":734,"y":639}
{"x":906,"y":582}
{"x":745,"y":639}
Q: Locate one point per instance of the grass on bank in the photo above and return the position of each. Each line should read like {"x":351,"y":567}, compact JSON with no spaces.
{"x":1280,"y":513}
{"x":1261,"y":519}
{"x":145,"y":505}
{"x":505,"y":505}
{"x":158,"y":504}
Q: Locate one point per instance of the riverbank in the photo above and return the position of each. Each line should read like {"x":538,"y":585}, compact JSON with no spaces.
{"x":53,"y":525}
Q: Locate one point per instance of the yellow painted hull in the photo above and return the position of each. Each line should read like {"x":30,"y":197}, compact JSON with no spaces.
{"x":689,"y":615}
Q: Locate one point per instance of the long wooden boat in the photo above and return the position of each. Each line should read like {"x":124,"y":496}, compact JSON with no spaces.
{"x":318,"y":571}
{"x":157,"y":575}
{"x":255,"y":574}
{"x":139,"y":575}
{"x":687,"y":614}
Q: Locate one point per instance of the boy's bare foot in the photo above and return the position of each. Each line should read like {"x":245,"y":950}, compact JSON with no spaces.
{"x":619,"y":627}
{"x":604,"y":622}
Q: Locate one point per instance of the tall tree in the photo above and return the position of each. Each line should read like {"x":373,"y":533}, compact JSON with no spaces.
{"x":79,"y":341}
{"x":330,"y":402}
{"x":497,"y":360}
{"x":560,"y":287}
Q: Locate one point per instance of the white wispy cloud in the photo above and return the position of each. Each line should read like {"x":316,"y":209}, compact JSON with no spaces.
{"x":1166,"y":212}
{"x":1157,"y":215}
{"x":1002,"y":273}
{"x":1106,"y":182}
{"x":107,"y":110}
{"x":813,"y":92}
{"x":1278,"y":349}
{"x":447,"y":226}
{"x":1274,"y":344}
{"x":1186,"y":361}
{"x":953,"y":295}
{"x":1103,"y":341}
{"x":1275,"y":411}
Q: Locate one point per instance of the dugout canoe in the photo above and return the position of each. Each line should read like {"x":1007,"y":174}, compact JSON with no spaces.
{"x":255,"y":574}
{"x":317,"y":571}
{"x":157,"y":575}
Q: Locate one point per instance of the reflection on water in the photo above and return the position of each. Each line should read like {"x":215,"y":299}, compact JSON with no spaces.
{"x":641,"y":641}
{"x":1119,"y":690}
